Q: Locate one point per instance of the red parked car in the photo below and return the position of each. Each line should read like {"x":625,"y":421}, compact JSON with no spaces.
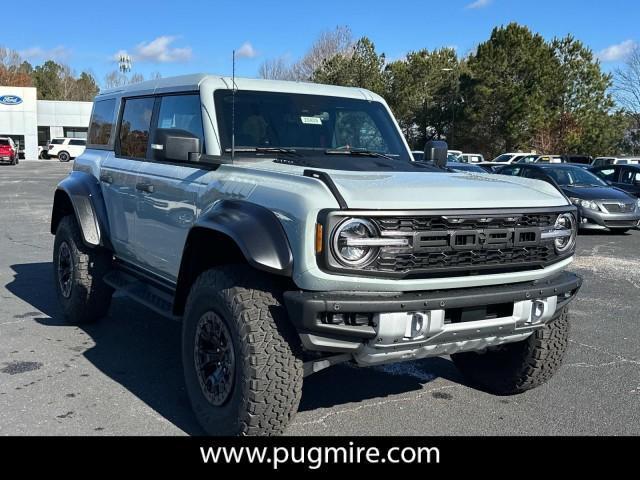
{"x":8,"y":151}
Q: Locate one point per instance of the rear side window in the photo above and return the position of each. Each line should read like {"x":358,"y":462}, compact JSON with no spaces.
{"x":77,"y":142}
{"x":513,"y":171}
{"x":4,"y":142}
{"x":607,"y":174}
{"x":135,"y":126}
{"x":629,"y":176}
{"x":101,"y":123}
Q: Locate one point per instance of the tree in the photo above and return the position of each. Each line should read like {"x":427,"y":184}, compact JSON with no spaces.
{"x":422,"y":91}
{"x":627,"y":91}
{"x":363,"y":67}
{"x":86,"y":87}
{"x":507,"y":88}
{"x":14,"y":72}
{"x":276,"y":69}
{"x":329,"y":44}
{"x":581,"y":120}
{"x":56,"y":81}
{"x":46,"y":78}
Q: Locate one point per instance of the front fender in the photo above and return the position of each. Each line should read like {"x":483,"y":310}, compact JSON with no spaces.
{"x":83,"y":192}
{"x":257,"y":232}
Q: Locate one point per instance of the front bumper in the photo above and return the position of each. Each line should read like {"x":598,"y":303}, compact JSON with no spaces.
{"x":450,"y":320}
{"x":597,"y":219}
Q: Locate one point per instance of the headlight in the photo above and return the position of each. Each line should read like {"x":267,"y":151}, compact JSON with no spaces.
{"x":566,"y":223}
{"x":585,"y":203}
{"x":349,"y":242}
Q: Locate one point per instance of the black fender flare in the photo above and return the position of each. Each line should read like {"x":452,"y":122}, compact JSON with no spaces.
{"x":83,"y":191}
{"x":256,"y":231}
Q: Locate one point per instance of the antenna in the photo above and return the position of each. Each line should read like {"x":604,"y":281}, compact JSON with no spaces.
{"x":233,"y":105}
{"x":124,"y":63}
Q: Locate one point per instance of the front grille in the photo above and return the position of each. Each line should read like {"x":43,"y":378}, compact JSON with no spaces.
{"x":452,"y":222}
{"x":458,"y":243}
{"x":473,"y":260}
{"x":619,"y":207}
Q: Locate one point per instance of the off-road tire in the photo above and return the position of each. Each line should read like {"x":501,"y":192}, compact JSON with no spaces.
{"x":518,"y":367}
{"x":89,"y":297}
{"x":64,"y":156}
{"x":268,"y":369}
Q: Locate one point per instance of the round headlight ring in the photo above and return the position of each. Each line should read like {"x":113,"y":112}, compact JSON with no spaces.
{"x":354,"y":256}
{"x":568,"y":221}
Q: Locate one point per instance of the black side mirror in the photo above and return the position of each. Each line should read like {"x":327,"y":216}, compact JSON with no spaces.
{"x":435,"y":151}
{"x":177,"y":145}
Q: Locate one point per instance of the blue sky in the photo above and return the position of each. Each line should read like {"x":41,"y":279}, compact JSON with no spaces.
{"x":186,"y":36}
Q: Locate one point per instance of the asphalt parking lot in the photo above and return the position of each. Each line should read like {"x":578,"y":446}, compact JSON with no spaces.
{"x":122,"y":376}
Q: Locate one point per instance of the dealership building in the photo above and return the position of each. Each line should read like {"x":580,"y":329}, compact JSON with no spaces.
{"x":31,"y":122}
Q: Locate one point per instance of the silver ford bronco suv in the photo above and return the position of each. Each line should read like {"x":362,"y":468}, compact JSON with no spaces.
{"x":288,"y":229}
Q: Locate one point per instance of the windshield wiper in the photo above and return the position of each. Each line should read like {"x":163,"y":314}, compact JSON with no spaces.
{"x":261,"y":150}
{"x":356,"y":151}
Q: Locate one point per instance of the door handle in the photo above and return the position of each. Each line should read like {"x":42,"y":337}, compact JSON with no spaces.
{"x":106,"y":178}
{"x":145,"y":187}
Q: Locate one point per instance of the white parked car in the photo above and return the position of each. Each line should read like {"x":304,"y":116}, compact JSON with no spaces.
{"x":66,"y":148}
{"x":471,"y":158}
{"x":602,"y":161}
{"x":511,"y":157}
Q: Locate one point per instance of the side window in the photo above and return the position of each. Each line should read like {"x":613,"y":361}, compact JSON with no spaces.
{"x":178,"y":115}
{"x":533,"y":173}
{"x":101,"y":123}
{"x":77,"y":142}
{"x":629,"y":176}
{"x":134,"y":128}
{"x":607,"y":174}
{"x":512,"y":171}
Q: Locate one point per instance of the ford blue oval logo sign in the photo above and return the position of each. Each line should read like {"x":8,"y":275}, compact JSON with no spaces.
{"x":10,"y":100}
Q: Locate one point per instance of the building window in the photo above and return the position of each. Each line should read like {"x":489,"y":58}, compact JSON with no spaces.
{"x":75,"y":132}
{"x":134,"y":128}
{"x":101,"y":122}
{"x":44,"y":134}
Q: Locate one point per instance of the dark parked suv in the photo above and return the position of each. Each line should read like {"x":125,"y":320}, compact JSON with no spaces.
{"x":624,"y":177}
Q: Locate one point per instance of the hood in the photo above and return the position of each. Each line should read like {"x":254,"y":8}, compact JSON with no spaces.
{"x":414,"y":188}
{"x":596,"y":193}
{"x":441,"y":190}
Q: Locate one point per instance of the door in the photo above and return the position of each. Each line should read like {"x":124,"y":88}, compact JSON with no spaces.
{"x":630,"y":180}
{"x":119,"y":173}
{"x":167,"y":188}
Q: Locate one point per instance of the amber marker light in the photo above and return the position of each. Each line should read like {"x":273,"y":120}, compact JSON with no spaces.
{"x":319,"y":231}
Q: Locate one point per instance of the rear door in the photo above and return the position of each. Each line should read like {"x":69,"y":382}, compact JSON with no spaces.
{"x":629,"y":180}
{"x":168,"y":187}
{"x":119,"y":172}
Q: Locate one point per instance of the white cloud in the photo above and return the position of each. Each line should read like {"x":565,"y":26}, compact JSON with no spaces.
{"x":38,"y":53}
{"x":246,"y":51}
{"x":158,"y":50}
{"x":479,"y":4}
{"x":617,"y":52}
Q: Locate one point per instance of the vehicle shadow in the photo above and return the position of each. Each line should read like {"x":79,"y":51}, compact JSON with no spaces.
{"x":141,"y":351}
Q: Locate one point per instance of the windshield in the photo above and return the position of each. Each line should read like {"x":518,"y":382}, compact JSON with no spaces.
{"x":309,"y":124}
{"x":574,"y":177}
{"x":505,"y":157}
{"x":527,"y":159}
